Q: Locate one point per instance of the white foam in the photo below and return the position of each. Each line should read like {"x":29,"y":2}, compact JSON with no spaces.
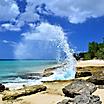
{"x":68,"y":70}
{"x":19,"y":84}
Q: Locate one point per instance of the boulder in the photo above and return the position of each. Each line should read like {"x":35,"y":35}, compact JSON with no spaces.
{"x":10,"y":95}
{"x":2,"y":87}
{"x":98,"y":80}
{"x":83,"y":99}
{"x":87,"y":99}
{"x":78,"y":87}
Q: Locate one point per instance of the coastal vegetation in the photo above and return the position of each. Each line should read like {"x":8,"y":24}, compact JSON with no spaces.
{"x":95,"y":51}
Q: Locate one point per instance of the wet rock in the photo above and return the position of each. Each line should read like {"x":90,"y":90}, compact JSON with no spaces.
{"x":47,"y":74}
{"x":51,"y":69}
{"x":10,"y":95}
{"x":2,"y":87}
{"x":98,"y":80}
{"x":24,"y":76}
{"x":78,"y":87}
{"x":82,"y":74}
{"x":30,"y":76}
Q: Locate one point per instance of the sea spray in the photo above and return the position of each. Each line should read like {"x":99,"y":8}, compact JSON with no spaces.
{"x":47,"y":33}
{"x":68,"y":70}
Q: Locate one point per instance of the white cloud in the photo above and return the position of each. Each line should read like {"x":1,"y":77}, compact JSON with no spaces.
{"x":11,"y":43}
{"x":5,"y":41}
{"x":29,"y":16}
{"x":44,"y":31}
{"x":9,"y":26}
{"x":76,"y":11}
{"x":39,"y":43}
{"x":8,"y":10}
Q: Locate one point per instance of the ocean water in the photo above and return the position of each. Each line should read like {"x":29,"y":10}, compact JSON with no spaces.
{"x":15,"y":73}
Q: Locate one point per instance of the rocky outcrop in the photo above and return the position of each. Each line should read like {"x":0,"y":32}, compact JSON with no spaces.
{"x":2,"y":87}
{"x":82,"y":74}
{"x":83,"y":99}
{"x":87,"y":99}
{"x":30,"y":76}
{"x":51,"y":69}
{"x":81,"y":92}
{"x":78,"y":87}
{"x":10,"y":95}
{"x":89,"y":71}
{"x":98,"y":80}
{"x":47,"y":74}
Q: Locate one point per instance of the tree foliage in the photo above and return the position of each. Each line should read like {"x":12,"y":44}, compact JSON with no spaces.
{"x":95,"y":51}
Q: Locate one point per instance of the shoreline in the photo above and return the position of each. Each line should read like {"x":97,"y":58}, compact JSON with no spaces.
{"x":51,"y":68}
{"x":54,"y":94}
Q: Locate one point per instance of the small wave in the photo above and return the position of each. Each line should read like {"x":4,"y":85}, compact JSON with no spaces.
{"x":18,"y":83}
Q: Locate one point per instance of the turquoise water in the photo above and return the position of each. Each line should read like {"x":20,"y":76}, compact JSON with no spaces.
{"x":10,"y":70}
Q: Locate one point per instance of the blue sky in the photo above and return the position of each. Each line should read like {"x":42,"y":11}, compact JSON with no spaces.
{"x":21,"y":19}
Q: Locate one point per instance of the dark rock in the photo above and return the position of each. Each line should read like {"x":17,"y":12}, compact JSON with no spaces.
{"x":82,"y":74}
{"x":98,"y":80}
{"x":83,"y":99}
{"x":7,"y":88}
{"x":78,"y":87}
{"x":85,"y":71}
{"x":87,"y":99}
{"x":24,"y":76}
{"x":51,"y":69}
{"x":2,"y":87}
{"x":30,"y":76}
{"x":11,"y":95}
{"x":47,"y":74}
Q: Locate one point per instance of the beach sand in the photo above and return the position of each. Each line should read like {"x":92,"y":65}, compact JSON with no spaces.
{"x":90,"y":63}
{"x":100,"y":92}
{"x":54,"y":94}
{"x":43,"y":99}
{"x":49,"y":97}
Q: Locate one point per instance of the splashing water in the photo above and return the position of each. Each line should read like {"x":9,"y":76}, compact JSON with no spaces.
{"x":68,"y":70}
{"x":46,"y":32}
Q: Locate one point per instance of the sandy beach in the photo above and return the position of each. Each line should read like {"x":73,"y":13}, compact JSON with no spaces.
{"x":90,"y":63}
{"x":54,"y":94}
